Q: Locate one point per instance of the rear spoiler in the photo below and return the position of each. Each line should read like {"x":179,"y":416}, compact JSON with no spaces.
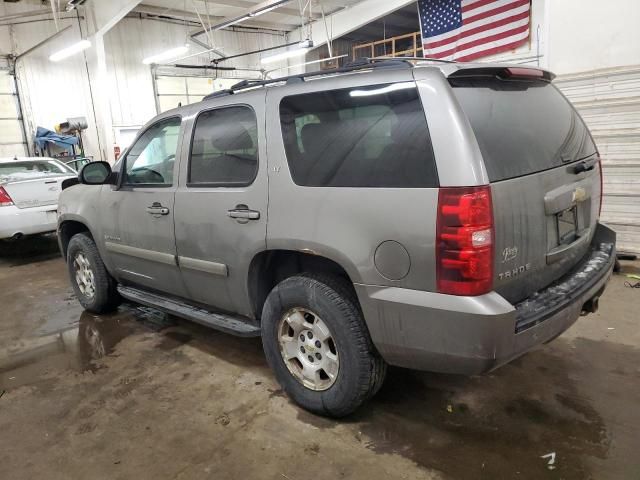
{"x":505,"y":73}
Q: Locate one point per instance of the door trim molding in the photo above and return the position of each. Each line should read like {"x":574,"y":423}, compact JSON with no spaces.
{"x":145,"y":254}
{"x":204,"y":266}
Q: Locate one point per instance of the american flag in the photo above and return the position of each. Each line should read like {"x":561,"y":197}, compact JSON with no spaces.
{"x":464,"y":30}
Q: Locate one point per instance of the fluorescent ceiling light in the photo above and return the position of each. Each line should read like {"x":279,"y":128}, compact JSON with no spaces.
{"x":284,"y":55}
{"x":303,"y":47}
{"x":166,"y":55}
{"x":379,"y":91}
{"x":70,"y":50}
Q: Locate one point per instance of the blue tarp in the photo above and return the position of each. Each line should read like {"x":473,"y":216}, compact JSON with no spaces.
{"x":44,"y":136}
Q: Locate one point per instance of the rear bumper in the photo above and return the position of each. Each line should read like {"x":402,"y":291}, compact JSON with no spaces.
{"x":27,"y":221}
{"x":470,"y":335}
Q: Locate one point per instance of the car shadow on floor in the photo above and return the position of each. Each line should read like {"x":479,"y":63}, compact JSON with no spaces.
{"x":32,"y":249}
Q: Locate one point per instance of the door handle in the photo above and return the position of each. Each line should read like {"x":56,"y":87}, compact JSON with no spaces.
{"x":244,"y":213}
{"x":157,"y":209}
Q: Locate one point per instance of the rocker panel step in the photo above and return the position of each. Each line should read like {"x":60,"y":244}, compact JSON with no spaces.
{"x":233,"y":325}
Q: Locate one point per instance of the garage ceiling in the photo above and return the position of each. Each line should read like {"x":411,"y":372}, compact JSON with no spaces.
{"x":286,"y":17}
{"x":404,"y":20}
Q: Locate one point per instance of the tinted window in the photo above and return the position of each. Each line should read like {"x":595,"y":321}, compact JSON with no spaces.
{"x":373,"y":136}
{"x":151,"y":159}
{"x":224,"y":150}
{"x":522,"y":127}
{"x":18,"y":169}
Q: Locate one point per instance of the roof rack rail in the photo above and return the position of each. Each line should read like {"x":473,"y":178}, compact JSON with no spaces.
{"x":219,"y":93}
{"x":358,"y":64}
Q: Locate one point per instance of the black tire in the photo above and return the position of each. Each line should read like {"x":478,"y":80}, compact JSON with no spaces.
{"x":106,"y":297}
{"x":361,"y":371}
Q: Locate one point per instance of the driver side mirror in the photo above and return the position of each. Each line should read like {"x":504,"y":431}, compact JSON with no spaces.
{"x":96,"y":173}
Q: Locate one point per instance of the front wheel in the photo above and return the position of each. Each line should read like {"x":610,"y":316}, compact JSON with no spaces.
{"x":92,"y":284}
{"x":317,"y":343}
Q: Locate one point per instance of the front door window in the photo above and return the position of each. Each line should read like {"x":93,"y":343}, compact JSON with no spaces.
{"x":151,"y":159}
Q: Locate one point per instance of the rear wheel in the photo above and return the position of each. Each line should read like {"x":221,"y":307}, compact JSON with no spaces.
{"x":317,"y":343}
{"x":92,"y":284}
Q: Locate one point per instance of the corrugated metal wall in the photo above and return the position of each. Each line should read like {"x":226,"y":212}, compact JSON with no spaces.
{"x":609,"y":102}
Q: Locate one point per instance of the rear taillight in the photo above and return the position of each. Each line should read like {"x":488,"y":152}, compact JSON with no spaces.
{"x":601,"y":186}
{"x":464,"y":243}
{"x":5,"y":199}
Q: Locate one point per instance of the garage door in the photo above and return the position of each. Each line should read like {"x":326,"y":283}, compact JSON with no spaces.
{"x":181,"y":90}
{"x":12,"y":142}
{"x":609,"y":101}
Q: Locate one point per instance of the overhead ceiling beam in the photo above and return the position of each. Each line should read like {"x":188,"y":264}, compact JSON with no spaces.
{"x":350,"y":19}
{"x":30,"y":13}
{"x":174,"y":13}
{"x":247,"y":5}
{"x":107,"y":14}
{"x":247,"y":14}
{"x":181,"y":15}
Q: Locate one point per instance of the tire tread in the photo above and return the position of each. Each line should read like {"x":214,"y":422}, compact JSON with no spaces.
{"x":371,"y":367}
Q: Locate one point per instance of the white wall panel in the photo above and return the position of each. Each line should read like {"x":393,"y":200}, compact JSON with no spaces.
{"x":609,"y":102}
{"x":133,"y":39}
{"x":52,"y":92}
{"x":590,"y":34}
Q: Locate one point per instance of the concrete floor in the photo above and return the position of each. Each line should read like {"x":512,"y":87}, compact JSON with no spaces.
{"x":138,"y":395}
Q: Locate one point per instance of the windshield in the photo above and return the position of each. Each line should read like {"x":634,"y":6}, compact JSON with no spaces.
{"x":522,"y":127}
{"x":18,"y":170}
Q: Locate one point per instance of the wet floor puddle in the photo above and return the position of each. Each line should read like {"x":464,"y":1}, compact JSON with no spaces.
{"x":562,"y":403}
{"x":64,"y":343}
{"x":469,"y":428}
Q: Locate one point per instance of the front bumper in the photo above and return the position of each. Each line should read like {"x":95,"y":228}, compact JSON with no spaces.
{"x":470,"y":335}
{"x":27,"y":221}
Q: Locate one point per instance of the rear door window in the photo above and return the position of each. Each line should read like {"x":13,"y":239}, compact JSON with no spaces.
{"x":224,"y":149}
{"x":522,"y":127}
{"x":374,"y":136}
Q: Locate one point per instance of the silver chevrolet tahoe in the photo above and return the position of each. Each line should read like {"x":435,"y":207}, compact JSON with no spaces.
{"x":434,"y":216}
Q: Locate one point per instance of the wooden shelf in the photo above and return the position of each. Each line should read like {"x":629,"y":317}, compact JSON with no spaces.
{"x":407,"y":45}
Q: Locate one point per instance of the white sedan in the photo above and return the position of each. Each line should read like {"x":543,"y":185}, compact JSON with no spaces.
{"x":29,"y":190}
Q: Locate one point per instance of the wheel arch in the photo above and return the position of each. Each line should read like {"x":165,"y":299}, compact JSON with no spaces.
{"x":67,"y":229}
{"x":270,"y":267}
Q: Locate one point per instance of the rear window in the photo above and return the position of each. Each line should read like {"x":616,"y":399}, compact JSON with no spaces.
{"x":23,"y":170}
{"x":374,"y":136}
{"x":522,"y":127}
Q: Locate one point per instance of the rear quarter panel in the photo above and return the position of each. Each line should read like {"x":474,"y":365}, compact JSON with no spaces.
{"x":345,"y":224}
